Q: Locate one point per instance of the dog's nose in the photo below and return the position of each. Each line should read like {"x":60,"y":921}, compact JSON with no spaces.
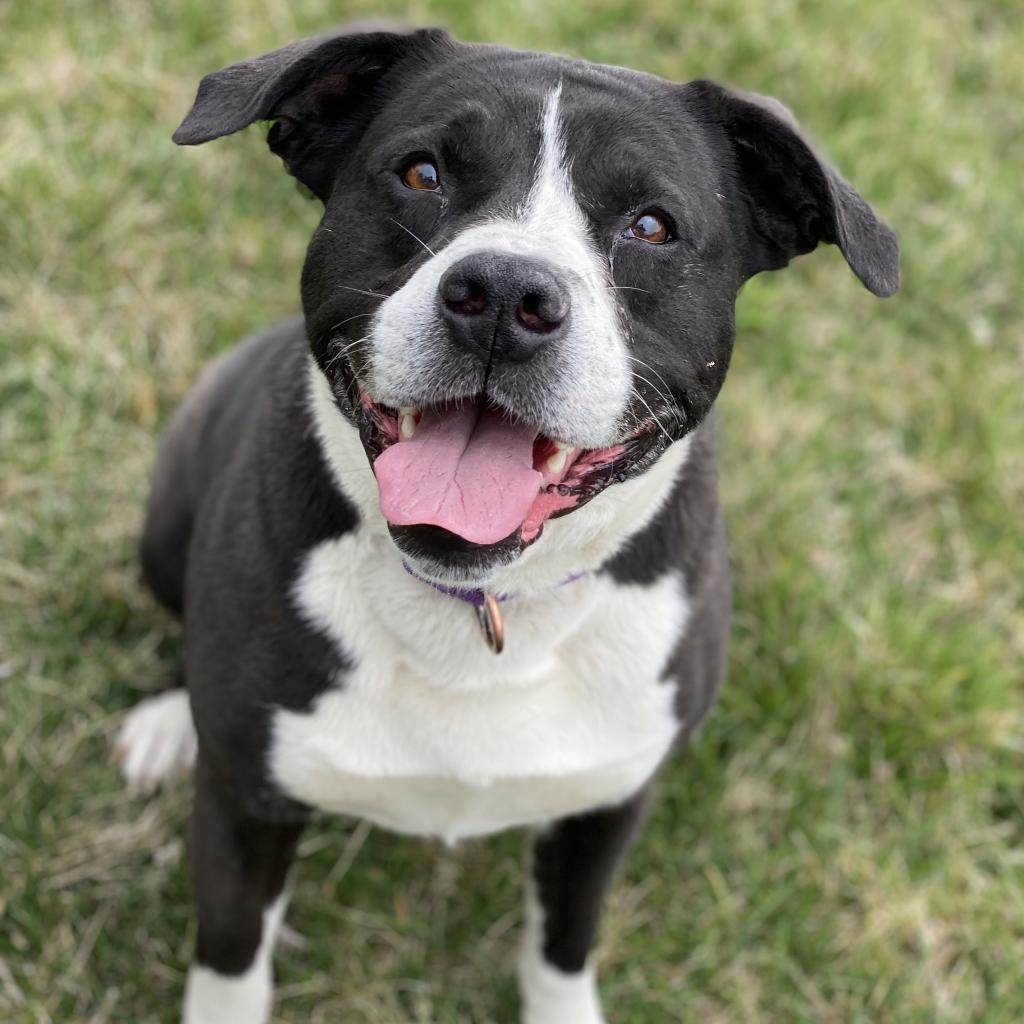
{"x":502,"y":306}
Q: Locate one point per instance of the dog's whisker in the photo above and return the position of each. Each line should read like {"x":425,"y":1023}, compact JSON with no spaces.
{"x":363,"y":291}
{"x":605,"y":281}
{"x":628,"y":288}
{"x":654,"y":416}
{"x":353,"y":344}
{"x":342,"y":350}
{"x":409,"y":231}
{"x":665,"y":395}
{"x":661,"y":395}
{"x":644,"y":363}
{"x":341,"y":323}
{"x":603,"y":278}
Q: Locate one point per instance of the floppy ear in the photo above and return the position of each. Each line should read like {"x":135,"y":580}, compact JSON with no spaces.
{"x":320,"y":93}
{"x":796,"y":199}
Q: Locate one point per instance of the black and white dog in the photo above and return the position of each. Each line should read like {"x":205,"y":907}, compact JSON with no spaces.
{"x":491,"y":429}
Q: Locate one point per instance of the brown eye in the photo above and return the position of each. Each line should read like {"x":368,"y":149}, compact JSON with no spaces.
{"x":422,"y":174}
{"x":650,"y":228}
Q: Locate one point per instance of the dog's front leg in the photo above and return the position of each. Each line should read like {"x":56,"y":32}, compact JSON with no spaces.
{"x":239,"y":869}
{"x":574,"y":861}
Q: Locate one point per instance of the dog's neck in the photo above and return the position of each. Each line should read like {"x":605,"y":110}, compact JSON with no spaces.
{"x":575,"y":544}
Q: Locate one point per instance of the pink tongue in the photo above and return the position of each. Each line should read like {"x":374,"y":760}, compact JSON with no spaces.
{"x":467,"y":470}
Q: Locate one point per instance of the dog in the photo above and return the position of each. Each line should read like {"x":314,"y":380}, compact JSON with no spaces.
{"x":448,"y":547}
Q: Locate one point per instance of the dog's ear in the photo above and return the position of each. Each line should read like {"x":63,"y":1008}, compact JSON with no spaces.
{"x":320,"y":93}
{"x":795,"y":198}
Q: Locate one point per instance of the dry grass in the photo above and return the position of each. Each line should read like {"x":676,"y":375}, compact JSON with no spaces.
{"x":843,"y":843}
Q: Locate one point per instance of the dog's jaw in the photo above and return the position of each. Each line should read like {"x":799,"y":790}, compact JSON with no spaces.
{"x":579,"y":542}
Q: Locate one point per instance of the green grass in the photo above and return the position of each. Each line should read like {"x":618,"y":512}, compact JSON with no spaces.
{"x":843,"y":842}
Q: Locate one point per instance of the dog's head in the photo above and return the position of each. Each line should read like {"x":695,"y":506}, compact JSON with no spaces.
{"x":522,"y":288}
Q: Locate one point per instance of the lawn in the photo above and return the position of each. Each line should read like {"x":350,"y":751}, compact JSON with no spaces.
{"x":844,"y":842}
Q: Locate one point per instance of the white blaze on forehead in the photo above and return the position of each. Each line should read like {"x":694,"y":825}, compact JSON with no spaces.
{"x":551,"y":194}
{"x":586,"y":390}
{"x":552,"y":211}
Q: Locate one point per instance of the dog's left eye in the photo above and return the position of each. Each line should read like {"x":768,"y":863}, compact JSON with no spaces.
{"x":422,"y":175}
{"x":649,"y":227}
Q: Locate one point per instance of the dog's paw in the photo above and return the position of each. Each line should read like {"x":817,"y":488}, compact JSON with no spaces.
{"x":551,"y":997}
{"x":157,"y":741}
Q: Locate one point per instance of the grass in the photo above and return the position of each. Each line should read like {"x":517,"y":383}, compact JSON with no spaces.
{"x":843,"y":842}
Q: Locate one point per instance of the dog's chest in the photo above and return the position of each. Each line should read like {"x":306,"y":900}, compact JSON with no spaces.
{"x":430,"y":733}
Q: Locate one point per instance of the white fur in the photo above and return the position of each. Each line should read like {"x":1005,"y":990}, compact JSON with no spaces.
{"x":212,"y":998}
{"x":157,"y":741}
{"x":548,"y":995}
{"x":587,"y":395}
{"x":430,"y":733}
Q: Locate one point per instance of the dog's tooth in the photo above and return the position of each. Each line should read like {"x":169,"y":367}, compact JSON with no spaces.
{"x":407,"y":422}
{"x":563,"y":446}
{"x":556,"y":461}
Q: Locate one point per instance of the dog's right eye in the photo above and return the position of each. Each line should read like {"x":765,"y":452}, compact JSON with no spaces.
{"x":649,"y":227}
{"x":422,"y":175}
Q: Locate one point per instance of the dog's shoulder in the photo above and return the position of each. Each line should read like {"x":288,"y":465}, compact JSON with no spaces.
{"x":267,"y":493}
{"x":267,"y":498}
{"x":688,"y":536}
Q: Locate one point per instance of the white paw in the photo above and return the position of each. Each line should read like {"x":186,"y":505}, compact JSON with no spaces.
{"x":551,"y":997}
{"x":212,"y":998}
{"x":548,"y":995}
{"x":157,"y":741}
{"x":246,"y":998}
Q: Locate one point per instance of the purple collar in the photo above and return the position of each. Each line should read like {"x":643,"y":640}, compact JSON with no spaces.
{"x":477,"y":598}
{"x":486,"y":605}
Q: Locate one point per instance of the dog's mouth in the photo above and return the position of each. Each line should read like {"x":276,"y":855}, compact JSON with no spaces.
{"x":477,"y":472}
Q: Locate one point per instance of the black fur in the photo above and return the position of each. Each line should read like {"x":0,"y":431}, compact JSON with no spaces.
{"x":239,"y":867}
{"x":574,"y":862}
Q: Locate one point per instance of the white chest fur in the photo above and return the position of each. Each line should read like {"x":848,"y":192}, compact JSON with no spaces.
{"x":430,"y":733}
